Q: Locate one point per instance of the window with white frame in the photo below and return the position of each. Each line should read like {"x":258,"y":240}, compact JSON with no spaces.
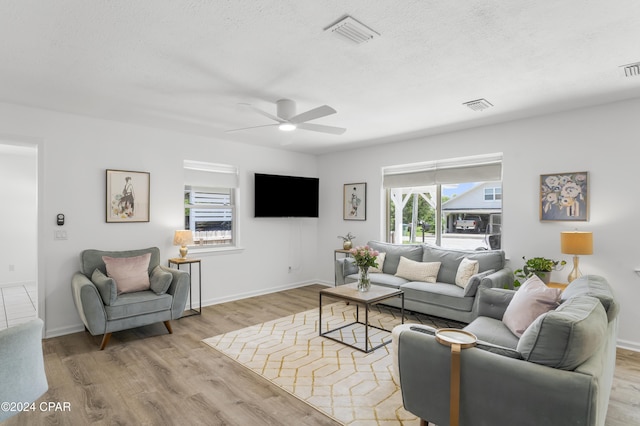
{"x":210,"y":208}
{"x":454,"y":203}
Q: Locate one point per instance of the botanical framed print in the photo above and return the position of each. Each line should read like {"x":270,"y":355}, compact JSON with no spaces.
{"x":355,"y":201}
{"x":127,"y":196}
{"x":564,"y":197}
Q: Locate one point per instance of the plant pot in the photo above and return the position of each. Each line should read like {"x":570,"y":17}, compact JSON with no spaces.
{"x":545,"y":276}
{"x":347,"y":245}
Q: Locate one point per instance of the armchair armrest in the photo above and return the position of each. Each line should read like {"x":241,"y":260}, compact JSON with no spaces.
{"x":89,"y":304}
{"x":345,"y":266}
{"x":495,"y":390}
{"x":493,"y":302}
{"x":499,"y":279}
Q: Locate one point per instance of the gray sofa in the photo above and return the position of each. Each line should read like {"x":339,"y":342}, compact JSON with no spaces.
{"x":104,"y":313}
{"x":443,"y":298}
{"x":559,"y":373}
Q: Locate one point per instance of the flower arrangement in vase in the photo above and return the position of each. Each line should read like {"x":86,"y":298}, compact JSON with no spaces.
{"x":539,"y":266}
{"x":365,"y":257}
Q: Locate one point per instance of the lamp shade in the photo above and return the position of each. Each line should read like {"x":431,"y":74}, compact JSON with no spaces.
{"x":183,"y":238}
{"x":575,"y":242}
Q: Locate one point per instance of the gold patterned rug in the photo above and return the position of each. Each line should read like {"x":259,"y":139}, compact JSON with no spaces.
{"x":348,"y":385}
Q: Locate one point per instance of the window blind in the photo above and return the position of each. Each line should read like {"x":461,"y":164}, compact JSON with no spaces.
{"x":210,"y":175}
{"x":484,"y":168}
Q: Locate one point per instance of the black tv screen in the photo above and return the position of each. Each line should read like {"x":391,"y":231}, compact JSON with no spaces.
{"x":286,"y":196}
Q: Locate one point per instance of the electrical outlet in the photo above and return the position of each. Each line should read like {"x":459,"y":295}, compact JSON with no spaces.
{"x":60,"y":235}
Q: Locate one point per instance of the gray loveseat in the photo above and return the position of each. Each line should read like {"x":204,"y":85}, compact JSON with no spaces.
{"x":104,"y":312}
{"x":559,"y":373}
{"x":443,"y":298}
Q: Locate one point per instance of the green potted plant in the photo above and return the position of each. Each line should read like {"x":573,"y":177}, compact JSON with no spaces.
{"x":540,"y":266}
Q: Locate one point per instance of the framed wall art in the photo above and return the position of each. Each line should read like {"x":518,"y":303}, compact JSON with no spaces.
{"x":564,"y":197}
{"x":355,"y":201}
{"x":127,"y":196}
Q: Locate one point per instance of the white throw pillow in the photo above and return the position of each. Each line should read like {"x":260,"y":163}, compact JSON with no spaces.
{"x":532,"y":299}
{"x":466,"y":270}
{"x":418,"y":271}
{"x":380,"y":261}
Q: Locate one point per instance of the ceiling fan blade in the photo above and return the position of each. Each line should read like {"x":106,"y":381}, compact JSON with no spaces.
{"x":322,"y":128}
{"x":261,"y":112}
{"x":252,"y":127}
{"x":312,"y":114}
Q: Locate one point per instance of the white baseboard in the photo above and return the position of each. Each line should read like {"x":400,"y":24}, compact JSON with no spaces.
{"x":626,"y":344}
{"x":261,"y":292}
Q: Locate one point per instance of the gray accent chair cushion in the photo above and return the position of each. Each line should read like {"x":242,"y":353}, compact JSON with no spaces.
{"x":106,"y":286}
{"x":566,"y":337}
{"x":160,"y":280}
{"x":450,"y":259}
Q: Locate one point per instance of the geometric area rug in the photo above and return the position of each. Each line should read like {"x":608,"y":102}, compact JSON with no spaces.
{"x":350,"y":386}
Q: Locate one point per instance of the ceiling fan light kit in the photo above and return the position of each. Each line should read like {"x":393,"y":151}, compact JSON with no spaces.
{"x":287,"y":119}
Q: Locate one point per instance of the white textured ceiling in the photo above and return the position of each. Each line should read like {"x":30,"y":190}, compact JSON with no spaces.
{"x":186,"y":64}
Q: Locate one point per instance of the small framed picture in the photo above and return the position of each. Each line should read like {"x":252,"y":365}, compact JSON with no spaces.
{"x":564,"y":197}
{"x":355,"y":201}
{"x":127,"y":196}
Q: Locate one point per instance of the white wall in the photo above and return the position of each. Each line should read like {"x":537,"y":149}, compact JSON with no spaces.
{"x":601,"y":140}
{"x":78,"y":150}
{"x":18,"y":215}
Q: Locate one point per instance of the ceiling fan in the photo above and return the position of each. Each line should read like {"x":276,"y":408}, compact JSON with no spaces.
{"x":287,"y":120}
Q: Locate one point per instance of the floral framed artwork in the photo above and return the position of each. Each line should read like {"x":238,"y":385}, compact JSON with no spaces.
{"x":564,"y":197}
{"x":127,"y":196}
{"x":355,"y":201}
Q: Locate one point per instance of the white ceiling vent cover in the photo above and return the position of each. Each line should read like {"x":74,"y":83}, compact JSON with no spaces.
{"x":349,"y":29}
{"x":631,"y":70}
{"x":478,"y":104}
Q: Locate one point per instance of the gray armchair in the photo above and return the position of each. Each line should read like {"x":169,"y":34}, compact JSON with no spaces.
{"x":21,"y":366}
{"x":103,"y":311}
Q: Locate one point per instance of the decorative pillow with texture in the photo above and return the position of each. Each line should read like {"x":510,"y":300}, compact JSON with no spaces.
{"x":418,"y":271}
{"x":106,"y":287}
{"x":380,"y":261}
{"x":130,"y":273}
{"x":160,"y":280}
{"x":466,"y":269}
{"x":532,"y":299}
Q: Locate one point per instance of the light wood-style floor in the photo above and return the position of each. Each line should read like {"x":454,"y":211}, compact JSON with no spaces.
{"x":148,"y":377}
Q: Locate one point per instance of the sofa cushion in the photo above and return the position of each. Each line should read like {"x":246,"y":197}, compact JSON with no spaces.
{"x":493,"y":331}
{"x":442,"y":294}
{"x":466,"y":270}
{"x":450,"y":259}
{"x":380,"y":262}
{"x":417,"y":271}
{"x":533,"y":299}
{"x":138,"y":303}
{"x":566,"y":337}
{"x":393,"y":252}
{"x":474,"y":282}
{"x":594,"y":286}
{"x":130,"y":273}
{"x":106,"y":287}
{"x":160,"y":280}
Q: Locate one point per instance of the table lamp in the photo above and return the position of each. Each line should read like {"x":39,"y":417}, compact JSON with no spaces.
{"x":183,"y":239}
{"x":575,"y":243}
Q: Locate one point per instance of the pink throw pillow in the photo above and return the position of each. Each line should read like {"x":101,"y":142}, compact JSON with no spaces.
{"x":130,"y":273}
{"x":532,"y":299}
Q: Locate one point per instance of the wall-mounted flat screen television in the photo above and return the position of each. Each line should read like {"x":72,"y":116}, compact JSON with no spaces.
{"x":286,"y":196}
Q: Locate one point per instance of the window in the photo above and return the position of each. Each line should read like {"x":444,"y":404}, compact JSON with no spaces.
{"x":492,"y":194}
{"x":454,"y":203}
{"x":210,"y":208}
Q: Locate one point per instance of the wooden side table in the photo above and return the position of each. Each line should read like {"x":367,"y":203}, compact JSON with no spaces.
{"x":189,"y":261}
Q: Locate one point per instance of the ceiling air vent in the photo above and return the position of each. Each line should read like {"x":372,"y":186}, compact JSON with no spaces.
{"x":349,"y":29}
{"x":478,"y":104}
{"x":631,"y":70}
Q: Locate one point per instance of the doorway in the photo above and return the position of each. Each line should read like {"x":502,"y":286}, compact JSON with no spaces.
{"x":19,"y":232}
